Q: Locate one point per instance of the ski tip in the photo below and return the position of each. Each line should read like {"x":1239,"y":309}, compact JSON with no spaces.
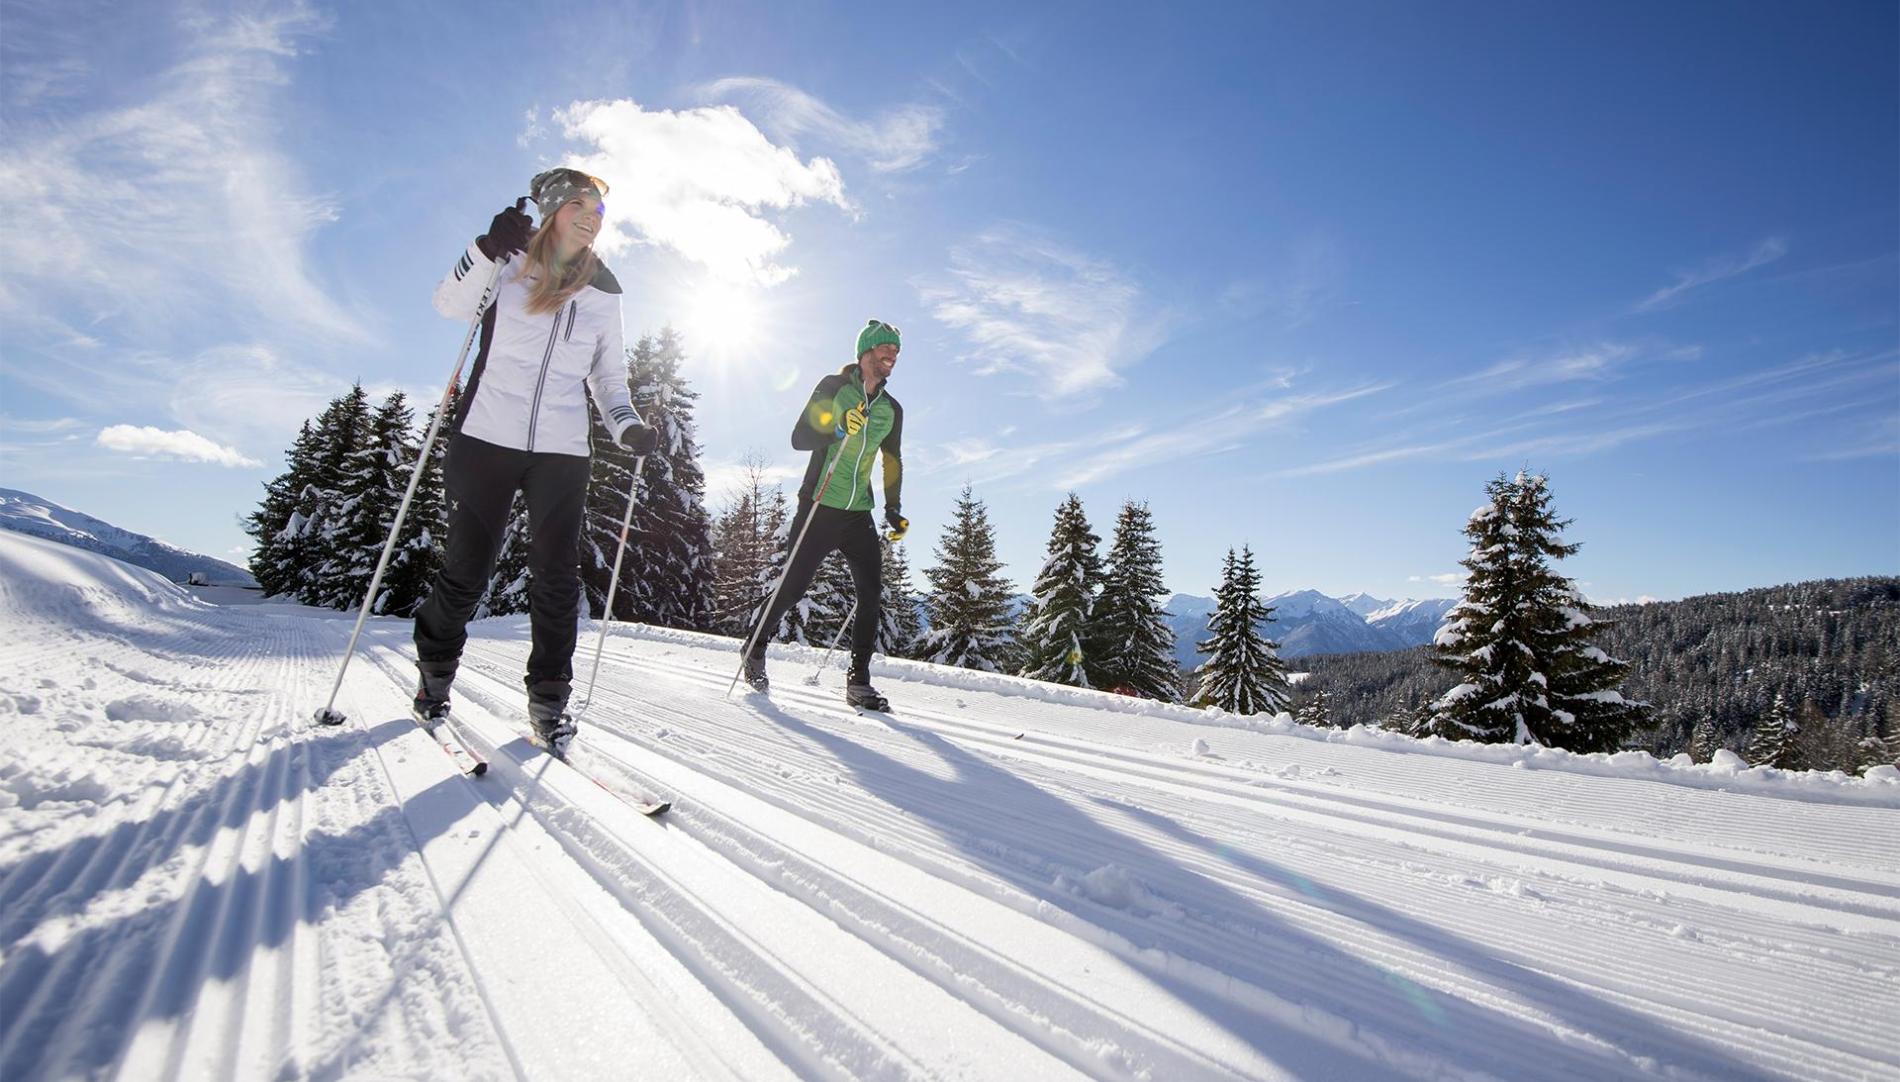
{"x":1018,"y":736}
{"x":658,"y":807}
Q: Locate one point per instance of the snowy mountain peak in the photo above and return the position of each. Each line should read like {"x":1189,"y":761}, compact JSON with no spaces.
{"x":26,"y":513}
{"x":1365,"y":604}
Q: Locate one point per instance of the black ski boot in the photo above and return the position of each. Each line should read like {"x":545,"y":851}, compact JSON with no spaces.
{"x":858,"y":691}
{"x":432,"y":692}
{"x":547,"y":714}
{"x":754,"y":672}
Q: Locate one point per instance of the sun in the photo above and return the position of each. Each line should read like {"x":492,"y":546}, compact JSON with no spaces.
{"x":723,"y":322}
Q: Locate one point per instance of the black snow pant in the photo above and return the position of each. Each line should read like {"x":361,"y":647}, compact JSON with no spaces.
{"x":852,"y":533}
{"x":482,"y":479}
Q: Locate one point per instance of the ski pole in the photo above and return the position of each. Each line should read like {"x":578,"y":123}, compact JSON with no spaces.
{"x":825,"y":662}
{"x":766,"y":613}
{"x":330,"y":715}
{"x":613,"y":582}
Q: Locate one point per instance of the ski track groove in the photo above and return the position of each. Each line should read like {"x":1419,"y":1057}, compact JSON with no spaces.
{"x":779,"y":1007}
{"x":220,"y":969}
{"x":1736,"y":1023}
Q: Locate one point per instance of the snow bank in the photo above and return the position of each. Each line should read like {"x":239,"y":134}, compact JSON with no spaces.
{"x":43,"y":580}
{"x":1880,"y":786}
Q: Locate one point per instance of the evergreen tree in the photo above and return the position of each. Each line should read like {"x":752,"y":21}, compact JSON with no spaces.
{"x":374,"y":479}
{"x":969,"y":599}
{"x":1132,"y":644}
{"x":743,"y":537}
{"x":900,"y":626}
{"x":1056,"y":627}
{"x":831,"y":598}
{"x":1243,"y":673}
{"x":508,"y":586}
{"x":418,"y":555}
{"x":1520,"y":638}
{"x":271,"y":561}
{"x":1704,"y":743}
{"x":1316,"y":711}
{"x":1773,"y":742}
{"x":310,"y":538}
{"x":667,"y":576}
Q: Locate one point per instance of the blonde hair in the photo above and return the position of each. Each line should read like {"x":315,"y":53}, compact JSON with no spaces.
{"x":553,"y":285}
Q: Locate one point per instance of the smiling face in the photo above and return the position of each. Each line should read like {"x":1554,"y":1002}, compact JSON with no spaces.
{"x":577,"y":223}
{"x":877,"y":362}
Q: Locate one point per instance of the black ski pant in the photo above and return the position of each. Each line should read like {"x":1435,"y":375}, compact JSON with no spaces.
{"x":852,"y":533}
{"x":481,"y":479}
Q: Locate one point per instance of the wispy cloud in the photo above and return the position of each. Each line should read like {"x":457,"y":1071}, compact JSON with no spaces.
{"x":700,"y":182}
{"x":180,"y":205}
{"x":1810,"y":386}
{"x":147,"y":442}
{"x":899,"y":139}
{"x":1449,"y":578}
{"x":1599,"y":361}
{"x":1063,"y":464}
{"x":1029,"y":305}
{"x":1715,"y":270}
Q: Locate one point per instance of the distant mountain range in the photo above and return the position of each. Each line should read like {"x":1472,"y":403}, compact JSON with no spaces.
{"x":30,"y":514}
{"x":1308,"y":622}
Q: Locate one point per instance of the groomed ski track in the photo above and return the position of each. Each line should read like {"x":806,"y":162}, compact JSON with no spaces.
{"x":197,"y":883}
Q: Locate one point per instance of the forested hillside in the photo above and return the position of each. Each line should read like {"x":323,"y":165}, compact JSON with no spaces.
{"x":1828,"y":650}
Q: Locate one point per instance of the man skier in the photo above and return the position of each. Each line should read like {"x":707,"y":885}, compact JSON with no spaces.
{"x":850,"y":415}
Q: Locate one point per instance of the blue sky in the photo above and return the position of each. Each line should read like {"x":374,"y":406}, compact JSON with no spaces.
{"x":1301,"y":276}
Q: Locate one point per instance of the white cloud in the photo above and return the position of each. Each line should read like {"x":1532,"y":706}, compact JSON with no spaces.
{"x":697,"y":181}
{"x":1596,"y":362}
{"x":899,"y":139}
{"x":1714,"y":270}
{"x":148,"y":442}
{"x":1447,"y":579}
{"x":177,"y":206}
{"x":1028,"y":305}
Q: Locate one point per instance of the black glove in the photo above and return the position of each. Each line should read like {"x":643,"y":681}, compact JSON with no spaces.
{"x":899,"y":524}
{"x":640,"y":439}
{"x":508,"y":233}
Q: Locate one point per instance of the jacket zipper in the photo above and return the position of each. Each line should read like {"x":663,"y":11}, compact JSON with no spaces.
{"x":864,"y":444}
{"x":547,"y":355}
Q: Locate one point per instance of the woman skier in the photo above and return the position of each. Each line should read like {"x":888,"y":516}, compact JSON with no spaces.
{"x":552,"y":334}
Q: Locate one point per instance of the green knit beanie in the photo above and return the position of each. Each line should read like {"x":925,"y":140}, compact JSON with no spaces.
{"x":876,"y":333}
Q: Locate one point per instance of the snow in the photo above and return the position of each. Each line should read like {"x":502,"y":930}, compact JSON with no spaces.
{"x":1002,"y":880}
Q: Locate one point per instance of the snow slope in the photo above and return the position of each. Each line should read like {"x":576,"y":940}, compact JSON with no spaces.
{"x":40,"y":517}
{"x":1002,"y":881}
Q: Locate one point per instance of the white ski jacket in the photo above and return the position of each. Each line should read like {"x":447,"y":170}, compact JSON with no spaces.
{"x":525,"y":390}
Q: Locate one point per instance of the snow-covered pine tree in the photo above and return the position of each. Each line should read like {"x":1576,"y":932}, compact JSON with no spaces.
{"x":1316,"y":711}
{"x":1056,"y":625}
{"x":508,"y":585}
{"x":831,"y":598}
{"x":272,"y":562}
{"x":1704,"y":742}
{"x":743,"y":536}
{"x":900,"y":626}
{"x":418,"y":556}
{"x":969,"y":599}
{"x":667,"y":576}
{"x":373,"y":482}
{"x":1243,"y":673}
{"x":1133,"y":646}
{"x":1520,"y":637}
{"x":1773,"y":741}
{"x":310,"y":537}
